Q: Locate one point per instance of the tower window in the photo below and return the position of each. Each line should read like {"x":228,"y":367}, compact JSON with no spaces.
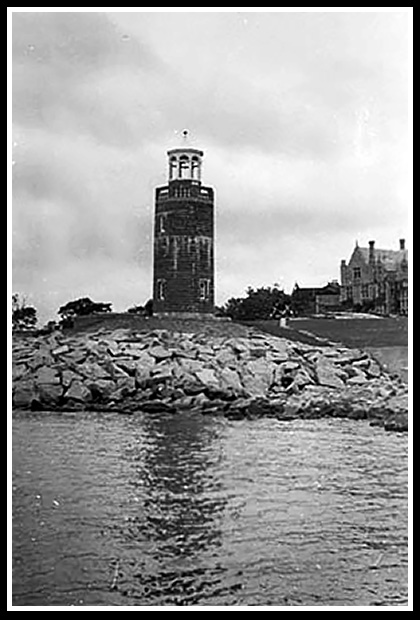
{"x":160,"y":289}
{"x":161,"y":224}
{"x":173,"y":163}
{"x":165,"y":243}
{"x":204,"y":285}
{"x":184,"y":167}
{"x":195,"y":168}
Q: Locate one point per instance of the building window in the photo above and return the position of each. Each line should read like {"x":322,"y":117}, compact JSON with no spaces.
{"x":161,"y":224}
{"x":160,"y":289}
{"x":365,"y":291}
{"x":165,"y":244}
{"x":204,"y":285}
{"x":357,"y":274}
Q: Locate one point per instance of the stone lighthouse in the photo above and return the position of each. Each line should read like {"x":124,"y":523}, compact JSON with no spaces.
{"x":183,"y":262}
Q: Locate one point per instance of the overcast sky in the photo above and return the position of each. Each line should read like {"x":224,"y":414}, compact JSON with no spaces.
{"x":303,"y":118}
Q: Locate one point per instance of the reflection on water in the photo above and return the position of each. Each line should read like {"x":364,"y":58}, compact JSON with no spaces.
{"x":183,"y":510}
{"x":180,"y":513}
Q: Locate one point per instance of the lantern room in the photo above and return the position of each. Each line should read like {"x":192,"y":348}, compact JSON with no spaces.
{"x":185,"y":164}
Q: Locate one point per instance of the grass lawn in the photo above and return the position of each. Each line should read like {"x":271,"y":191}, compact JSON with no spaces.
{"x":387,"y":332}
{"x":363,"y":333}
{"x":114,"y":321}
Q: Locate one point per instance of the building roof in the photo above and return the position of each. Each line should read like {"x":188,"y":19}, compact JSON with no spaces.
{"x":390,"y":259}
{"x":331,"y":288}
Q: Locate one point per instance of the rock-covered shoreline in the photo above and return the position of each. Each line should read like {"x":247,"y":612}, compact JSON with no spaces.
{"x":255,"y":375}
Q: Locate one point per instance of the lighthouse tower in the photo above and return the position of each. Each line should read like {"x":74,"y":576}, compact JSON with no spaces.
{"x":183,"y":261}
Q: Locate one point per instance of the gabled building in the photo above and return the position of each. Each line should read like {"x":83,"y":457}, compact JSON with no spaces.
{"x":315,"y":300}
{"x":376,"y":280}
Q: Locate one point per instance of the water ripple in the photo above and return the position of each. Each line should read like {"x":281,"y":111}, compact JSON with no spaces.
{"x":147,"y":510}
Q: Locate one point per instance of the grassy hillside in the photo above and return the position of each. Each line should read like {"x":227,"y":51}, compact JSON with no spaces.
{"x":386,"y":332}
{"x":114,"y":321}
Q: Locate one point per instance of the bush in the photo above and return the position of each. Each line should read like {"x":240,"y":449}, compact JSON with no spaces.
{"x":23,"y":317}
{"x":261,"y":303}
{"x":81,"y":307}
{"x":136,"y":310}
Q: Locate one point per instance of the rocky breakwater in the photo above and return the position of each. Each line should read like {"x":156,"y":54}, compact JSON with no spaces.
{"x":165,"y":371}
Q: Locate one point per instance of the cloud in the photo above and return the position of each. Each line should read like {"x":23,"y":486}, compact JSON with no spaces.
{"x":62,"y":63}
{"x":301,"y":116}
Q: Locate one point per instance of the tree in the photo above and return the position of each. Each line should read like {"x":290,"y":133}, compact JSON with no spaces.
{"x":49,"y":327}
{"x":23,"y":316}
{"x":261,"y":303}
{"x":81,"y":307}
{"x":136,"y":310}
{"x":146,"y":310}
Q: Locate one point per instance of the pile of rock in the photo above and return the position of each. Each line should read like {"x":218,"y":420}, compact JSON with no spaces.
{"x":252,"y":376}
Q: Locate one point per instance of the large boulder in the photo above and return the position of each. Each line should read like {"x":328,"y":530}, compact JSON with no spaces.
{"x":160,"y":353}
{"x":93,"y":371}
{"x":263,"y":407}
{"x":208,"y":377}
{"x":254,"y":384}
{"x":373,"y":370}
{"x":61,"y":350}
{"x":40,"y":358}
{"x":191,"y":365}
{"x":67,"y":376}
{"x":50,"y":394}
{"x":279,"y":348}
{"x":327,"y":374}
{"x":230,"y":380}
{"x":397,"y":423}
{"x":262,"y":370}
{"x":78,"y":391}
{"x":301,"y":379}
{"x":238,"y":409}
{"x":101,"y":389}
{"x":134,"y":350}
{"x":77,"y":353}
{"x":18,"y":371}
{"x":45,"y":374}
{"x":24,"y":394}
{"x":144,"y":365}
{"x":155,"y":406}
{"x":128,"y":365}
{"x":359,"y":378}
{"x":226,"y":358}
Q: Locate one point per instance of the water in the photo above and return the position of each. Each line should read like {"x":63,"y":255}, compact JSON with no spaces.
{"x":394,"y":359}
{"x":183,"y":510}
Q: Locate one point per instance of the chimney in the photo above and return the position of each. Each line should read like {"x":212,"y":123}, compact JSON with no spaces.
{"x":402,"y":244}
{"x":371,"y":251}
